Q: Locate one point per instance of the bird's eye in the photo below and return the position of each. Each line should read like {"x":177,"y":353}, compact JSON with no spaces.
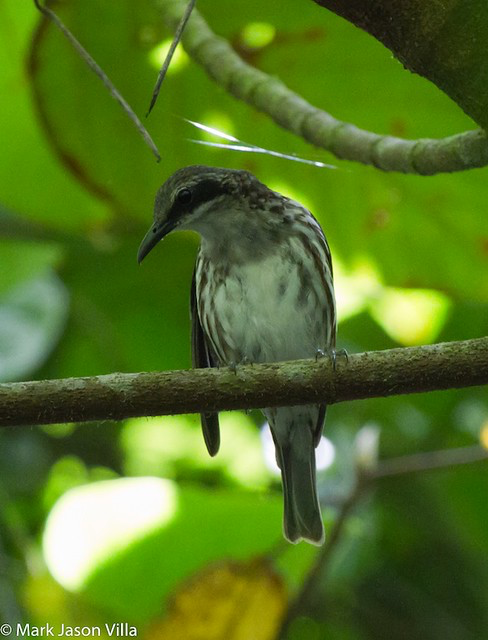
{"x":184,"y":196}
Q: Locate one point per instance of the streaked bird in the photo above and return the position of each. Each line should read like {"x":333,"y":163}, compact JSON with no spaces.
{"x":262,"y":291}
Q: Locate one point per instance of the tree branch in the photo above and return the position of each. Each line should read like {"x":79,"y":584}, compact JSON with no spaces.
{"x":268,"y":94}
{"x":365,"y":375}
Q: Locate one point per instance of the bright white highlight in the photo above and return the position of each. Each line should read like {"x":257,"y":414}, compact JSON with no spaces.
{"x":239,"y":145}
{"x":366,"y":445}
{"x":324,"y":454}
{"x":96,"y":520}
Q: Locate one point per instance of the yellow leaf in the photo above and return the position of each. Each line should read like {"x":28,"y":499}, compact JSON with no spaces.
{"x":226,"y":601}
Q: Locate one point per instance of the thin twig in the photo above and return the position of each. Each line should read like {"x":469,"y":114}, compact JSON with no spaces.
{"x":83,"y":53}
{"x":314,"y":577}
{"x":429,"y":460}
{"x":420,"y":462}
{"x":169,"y":56}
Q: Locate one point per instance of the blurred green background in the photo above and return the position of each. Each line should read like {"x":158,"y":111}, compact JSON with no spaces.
{"x":102,"y":522}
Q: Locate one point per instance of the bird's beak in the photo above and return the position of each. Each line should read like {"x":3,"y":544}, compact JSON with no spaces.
{"x":152,"y":237}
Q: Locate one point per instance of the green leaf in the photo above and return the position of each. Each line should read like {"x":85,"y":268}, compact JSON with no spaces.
{"x":427,"y":233}
{"x":147,"y":531}
{"x":23,"y":261}
{"x":31,"y":179}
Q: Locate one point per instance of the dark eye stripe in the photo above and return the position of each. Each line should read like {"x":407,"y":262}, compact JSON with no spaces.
{"x":207,"y":190}
{"x":203,"y":191}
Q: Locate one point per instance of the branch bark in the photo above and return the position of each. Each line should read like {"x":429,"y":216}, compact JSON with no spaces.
{"x":365,"y":375}
{"x":289,"y":110}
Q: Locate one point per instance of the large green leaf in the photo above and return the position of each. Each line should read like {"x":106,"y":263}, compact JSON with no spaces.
{"x":31,"y":179}
{"x":423,"y":232}
{"x":443,"y":42}
{"x":84,"y":183}
{"x":149,"y":546}
{"x":126,"y":317}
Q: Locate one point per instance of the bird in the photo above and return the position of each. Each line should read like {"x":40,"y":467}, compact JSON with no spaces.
{"x":262,"y":291}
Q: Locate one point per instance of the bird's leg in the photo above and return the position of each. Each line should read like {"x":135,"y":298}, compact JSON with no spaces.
{"x":332,"y":354}
{"x":340,"y":353}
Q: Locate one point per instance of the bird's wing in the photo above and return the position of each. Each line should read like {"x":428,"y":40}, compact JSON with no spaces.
{"x":202,"y":358}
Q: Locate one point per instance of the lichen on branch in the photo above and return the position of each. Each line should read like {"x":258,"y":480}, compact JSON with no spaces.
{"x":364,"y":375}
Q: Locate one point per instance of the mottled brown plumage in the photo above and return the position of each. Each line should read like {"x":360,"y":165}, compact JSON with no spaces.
{"x":262,"y":291}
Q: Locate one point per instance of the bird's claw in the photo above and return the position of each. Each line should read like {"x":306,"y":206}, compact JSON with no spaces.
{"x":320,"y":353}
{"x":333,"y":355}
{"x":233,"y":364}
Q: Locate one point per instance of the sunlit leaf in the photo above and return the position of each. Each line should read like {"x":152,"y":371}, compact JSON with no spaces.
{"x":411,"y":316}
{"x":103,"y":538}
{"x":227,"y":601}
{"x":118,"y":511}
{"x":173,"y":446}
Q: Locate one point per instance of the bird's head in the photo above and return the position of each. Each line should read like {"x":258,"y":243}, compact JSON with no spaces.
{"x":203,"y":199}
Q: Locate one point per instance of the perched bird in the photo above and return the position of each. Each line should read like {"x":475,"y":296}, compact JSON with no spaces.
{"x":262,"y":291}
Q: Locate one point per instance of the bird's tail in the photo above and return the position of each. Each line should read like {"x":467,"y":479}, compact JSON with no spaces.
{"x":302,"y":517}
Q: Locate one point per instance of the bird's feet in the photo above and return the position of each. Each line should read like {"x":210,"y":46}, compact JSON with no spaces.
{"x":233,"y":364}
{"x":332,"y":354}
